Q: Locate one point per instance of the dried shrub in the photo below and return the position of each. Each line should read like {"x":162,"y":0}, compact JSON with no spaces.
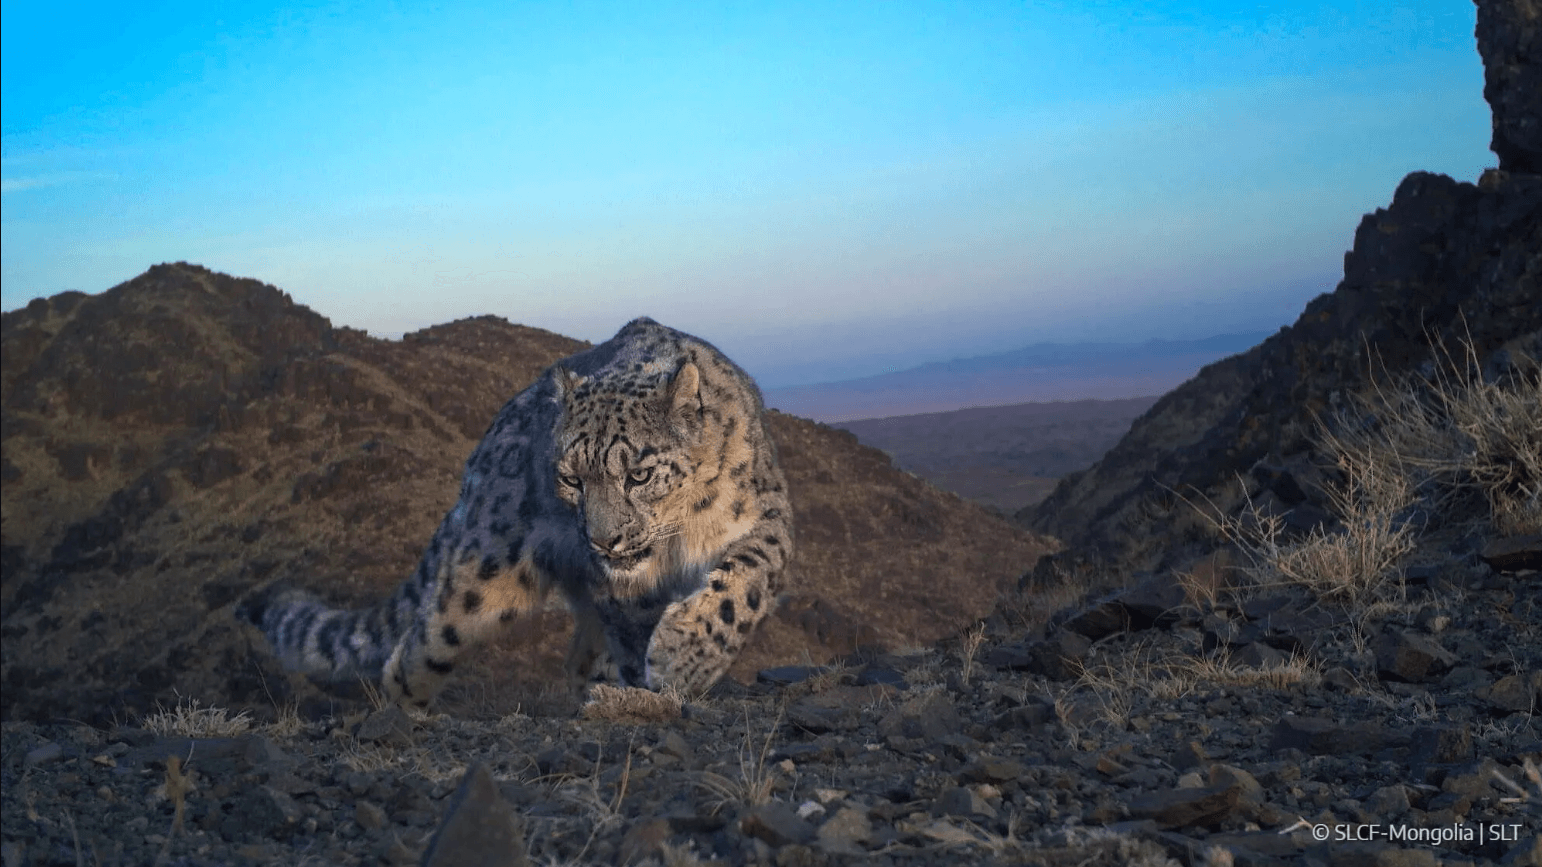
{"x":625,"y":704}
{"x":1452,"y":433}
{"x":188,"y":720}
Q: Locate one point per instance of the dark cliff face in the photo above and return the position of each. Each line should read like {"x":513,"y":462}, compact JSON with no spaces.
{"x":1445,"y":262}
{"x":1510,"y":40}
{"x":188,"y":438}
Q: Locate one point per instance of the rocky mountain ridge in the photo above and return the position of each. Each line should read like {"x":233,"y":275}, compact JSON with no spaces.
{"x":188,"y":438}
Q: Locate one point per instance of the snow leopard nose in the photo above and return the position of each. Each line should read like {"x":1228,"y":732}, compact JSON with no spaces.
{"x":615,"y":548}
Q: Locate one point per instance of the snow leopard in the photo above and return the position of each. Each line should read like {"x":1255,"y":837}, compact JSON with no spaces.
{"x":636,"y":478}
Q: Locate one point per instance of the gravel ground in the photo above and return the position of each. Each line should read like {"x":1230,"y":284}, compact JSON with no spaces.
{"x":1237,"y":734}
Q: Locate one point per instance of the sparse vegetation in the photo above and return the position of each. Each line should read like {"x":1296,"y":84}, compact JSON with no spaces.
{"x":756,"y":782}
{"x":588,"y":795}
{"x":176,"y":786}
{"x":1136,"y":696}
{"x":1355,"y":564}
{"x":1410,"y":454}
{"x":189,"y":720}
{"x":926,"y":668}
{"x":1117,"y":686}
{"x":373,"y":694}
{"x":827,"y":677}
{"x":969,"y":647}
{"x":286,"y":722}
{"x":1453,"y":433}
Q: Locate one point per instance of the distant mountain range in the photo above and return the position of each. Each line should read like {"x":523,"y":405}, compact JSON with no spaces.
{"x":1038,"y":373}
{"x":1002,"y":457}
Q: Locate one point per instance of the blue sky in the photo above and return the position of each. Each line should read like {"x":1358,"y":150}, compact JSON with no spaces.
{"x":824,"y":189}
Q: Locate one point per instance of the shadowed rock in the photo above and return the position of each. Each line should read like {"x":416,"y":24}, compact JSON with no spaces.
{"x":389,"y":726}
{"x":1180,"y":808}
{"x":480,"y":828}
{"x":1319,"y":736}
{"x":776,"y":824}
{"x":1514,"y":553}
{"x":1441,"y":744}
{"x":1515,"y":693}
{"x":1410,"y":658}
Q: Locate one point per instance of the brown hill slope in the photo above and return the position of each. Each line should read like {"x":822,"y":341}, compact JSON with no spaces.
{"x":188,"y":438}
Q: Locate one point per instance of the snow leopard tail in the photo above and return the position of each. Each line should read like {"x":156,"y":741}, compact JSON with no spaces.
{"x":309,"y":636}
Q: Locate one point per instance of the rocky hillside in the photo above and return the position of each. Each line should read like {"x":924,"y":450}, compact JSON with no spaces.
{"x":942,"y":756}
{"x":1446,"y":265}
{"x":188,"y":438}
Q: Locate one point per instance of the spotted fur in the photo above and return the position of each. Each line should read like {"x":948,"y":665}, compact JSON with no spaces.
{"x":636,"y":478}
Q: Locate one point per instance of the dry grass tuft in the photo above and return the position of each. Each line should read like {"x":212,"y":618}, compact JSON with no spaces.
{"x":953,"y":833}
{"x":373,"y":694}
{"x":1220,"y":671}
{"x":926,"y":668}
{"x":434,"y":765}
{"x":188,"y":720}
{"x":1207,"y":581}
{"x":680,"y":855}
{"x":756,"y":782}
{"x":829,"y":677}
{"x":1451,"y":433}
{"x":1115,"y":687}
{"x":1355,"y":565}
{"x":587,"y":794}
{"x":627,"y":704}
{"x":1361,"y":563}
{"x":969,"y":648}
{"x":175,"y":788}
{"x":287,"y":722}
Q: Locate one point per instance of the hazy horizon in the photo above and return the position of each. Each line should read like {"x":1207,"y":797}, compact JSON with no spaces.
{"x":1039,"y":373}
{"x":824,"y":191}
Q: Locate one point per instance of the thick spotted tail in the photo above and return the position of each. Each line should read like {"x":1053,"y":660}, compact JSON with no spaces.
{"x":311,"y":637}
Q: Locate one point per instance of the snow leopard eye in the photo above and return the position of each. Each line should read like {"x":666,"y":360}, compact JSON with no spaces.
{"x":570,"y":481}
{"x":640,"y":475}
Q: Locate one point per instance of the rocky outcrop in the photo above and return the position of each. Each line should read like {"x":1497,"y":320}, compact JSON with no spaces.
{"x":1444,"y":264}
{"x":1510,"y":40}
{"x":188,"y":438}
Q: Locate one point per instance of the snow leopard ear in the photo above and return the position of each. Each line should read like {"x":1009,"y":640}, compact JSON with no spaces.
{"x":685,"y":396}
{"x":567,"y":382}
